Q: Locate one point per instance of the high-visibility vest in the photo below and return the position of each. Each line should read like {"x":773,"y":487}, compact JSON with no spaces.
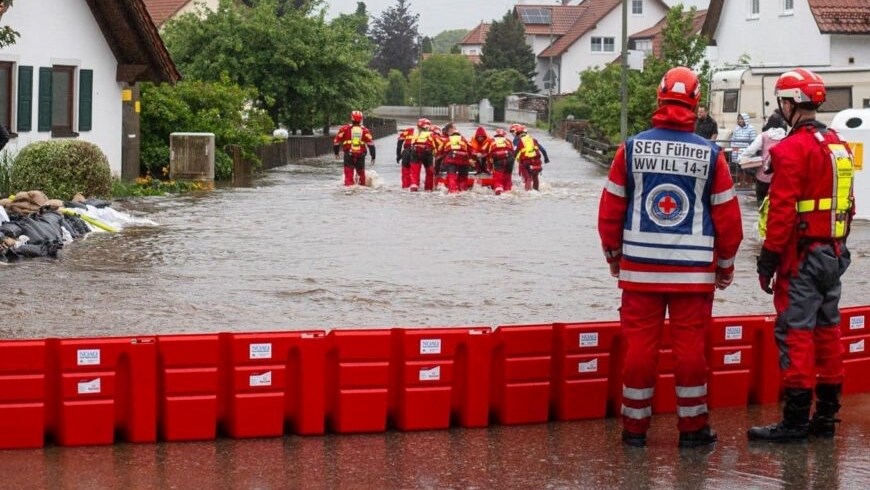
{"x":834,"y":212}
{"x":530,"y":149}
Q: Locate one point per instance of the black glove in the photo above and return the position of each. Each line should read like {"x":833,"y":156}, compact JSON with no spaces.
{"x":547,"y":160}
{"x":766,"y":267}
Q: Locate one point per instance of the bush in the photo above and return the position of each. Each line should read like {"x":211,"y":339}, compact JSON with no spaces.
{"x":6,"y":161}
{"x":61,"y":168}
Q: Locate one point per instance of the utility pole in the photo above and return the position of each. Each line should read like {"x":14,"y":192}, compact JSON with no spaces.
{"x":623,"y":86}
{"x":550,"y":79}
{"x":420,"y":69}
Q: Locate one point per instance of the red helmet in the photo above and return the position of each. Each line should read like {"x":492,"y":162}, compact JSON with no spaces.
{"x":520,"y":129}
{"x":513,"y":128}
{"x":423,"y":123}
{"x":801,"y":85}
{"x":681,"y":85}
{"x":435,"y":129}
{"x":356,"y":116}
{"x":500,"y":132}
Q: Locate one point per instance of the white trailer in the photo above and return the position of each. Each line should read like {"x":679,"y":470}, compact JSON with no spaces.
{"x":751,"y":90}
{"x":854,"y":126}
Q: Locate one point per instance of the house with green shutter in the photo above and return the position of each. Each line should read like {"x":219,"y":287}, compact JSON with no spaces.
{"x":74,"y":73}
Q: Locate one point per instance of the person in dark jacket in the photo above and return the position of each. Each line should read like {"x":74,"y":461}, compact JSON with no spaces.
{"x":705,"y":126}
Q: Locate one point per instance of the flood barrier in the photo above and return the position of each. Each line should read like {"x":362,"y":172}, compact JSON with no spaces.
{"x":193,"y":387}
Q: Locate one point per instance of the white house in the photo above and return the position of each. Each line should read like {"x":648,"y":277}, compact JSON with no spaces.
{"x":73,"y":72}
{"x":593,"y":36}
{"x":789,"y":32}
{"x":471,"y":46}
{"x":163,"y":10}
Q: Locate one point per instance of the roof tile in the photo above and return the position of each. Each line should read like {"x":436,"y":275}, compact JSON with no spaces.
{"x":841,"y":16}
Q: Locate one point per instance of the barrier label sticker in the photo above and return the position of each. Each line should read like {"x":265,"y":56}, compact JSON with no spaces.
{"x":260,"y":351}
{"x":89,"y":387}
{"x":589,"y":339}
{"x":856,"y":346}
{"x":856,"y":323}
{"x":734,"y":332}
{"x":588,"y":366}
{"x":264,"y":379}
{"x":88,"y":357}
{"x":733,"y":358}
{"x":430,"y":346}
{"x":432,"y":374}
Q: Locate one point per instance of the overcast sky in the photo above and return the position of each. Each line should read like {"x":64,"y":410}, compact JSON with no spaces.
{"x":444,"y":15}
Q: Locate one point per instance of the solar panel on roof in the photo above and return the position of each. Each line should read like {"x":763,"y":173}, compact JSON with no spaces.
{"x":535,"y":16}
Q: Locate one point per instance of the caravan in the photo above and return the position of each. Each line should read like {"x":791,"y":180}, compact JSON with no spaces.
{"x":751,"y":90}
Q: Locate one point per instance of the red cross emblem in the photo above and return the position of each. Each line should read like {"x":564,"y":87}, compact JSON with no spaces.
{"x":667,"y":204}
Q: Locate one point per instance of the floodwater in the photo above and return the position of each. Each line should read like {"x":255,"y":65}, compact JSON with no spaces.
{"x":296,"y":250}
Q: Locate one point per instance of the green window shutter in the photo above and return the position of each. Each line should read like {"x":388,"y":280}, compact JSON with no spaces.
{"x":86,"y":99}
{"x":25,"y":98}
{"x":44,"y":120}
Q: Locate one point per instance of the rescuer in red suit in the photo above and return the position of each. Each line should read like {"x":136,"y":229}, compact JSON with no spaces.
{"x":403,"y":149}
{"x":478,"y":147}
{"x":353,"y":139}
{"x":529,"y":154}
{"x":811,"y":209}
{"x":457,"y":159}
{"x":670,"y":226}
{"x":500,"y":153}
{"x":423,"y":146}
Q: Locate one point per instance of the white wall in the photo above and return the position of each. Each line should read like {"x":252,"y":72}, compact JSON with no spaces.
{"x":856,"y":47}
{"x":772,"y":38}
{"x":580,"y":57}
{"x":65,"y":32}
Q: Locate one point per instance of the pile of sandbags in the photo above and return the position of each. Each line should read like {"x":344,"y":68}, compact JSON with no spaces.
{"x":31,"y":225}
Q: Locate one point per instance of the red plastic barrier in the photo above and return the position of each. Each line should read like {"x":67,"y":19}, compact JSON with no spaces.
{"x":730,"y":357}
{"x":22,"y":393}
{"x":100,"y":386}
{"x":521,"y":370}
{"x":582,"y":366}
{"x":856,"y":351}
{"x":358,"y":379}
{"x":272,"y":379}
{"x":766,"y":378}
{"x":441,"y":372}
{"x":187,"y":386}
{"x":853,"y":320}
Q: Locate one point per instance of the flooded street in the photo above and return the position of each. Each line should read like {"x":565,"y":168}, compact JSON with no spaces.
{"x":296,"y":251}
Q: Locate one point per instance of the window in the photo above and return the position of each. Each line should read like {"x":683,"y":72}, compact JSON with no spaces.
{"x":61,"y":100}
{"x":867,"y":103}
{"x":729,"y":101}
{"x":644,"y":45}
{"x":787,"y":7}
{"x":6,"y":71}
{"x":637,"y":7}
{"x":603,"y":44}
{"x":754,"y":8}
{"x":62,"y":78}
{"x":837,"y":99}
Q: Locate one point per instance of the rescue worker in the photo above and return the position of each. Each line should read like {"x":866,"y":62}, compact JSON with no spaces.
{"x":438,"y":155}
{"x":403,"y":149}
{"x":478,"y":146}
{"x":422,"y":154}
{"x":500,"y":153}
{"x":457,"y":159}
{"x":670,"y":226}
{"x":353,"y":139}
{"x":810,"y":213}
{"x":528,"y":154}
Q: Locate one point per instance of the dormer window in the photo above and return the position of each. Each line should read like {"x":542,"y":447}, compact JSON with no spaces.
{"x":636,"y":7}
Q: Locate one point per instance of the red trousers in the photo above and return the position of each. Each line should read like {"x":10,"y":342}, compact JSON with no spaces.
{"x":643,"y":316}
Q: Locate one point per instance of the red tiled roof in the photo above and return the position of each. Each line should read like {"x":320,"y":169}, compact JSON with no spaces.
{"x":477,"y":35}
{"x":841,"y":16}
{"x":162,"y":10}
{"x":595,"y":11}
{"x":655,"y":32}
{"x":564,"y":16}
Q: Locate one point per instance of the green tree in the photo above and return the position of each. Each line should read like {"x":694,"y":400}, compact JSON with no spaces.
{"x":447,"y":79}
{"x":8,"y":36}
{"x":397,"y":88}
{"x":358,"y":20}
{"x":307,"y":72}
{"x":395,"y":37}
{"x":446,"y":41}
{"x":506,"y":47}
{"x":496,"y":85}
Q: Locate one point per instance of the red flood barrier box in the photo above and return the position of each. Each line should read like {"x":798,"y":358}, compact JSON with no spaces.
{"x":358,"y":380}
{"x":273,"y":380}
{"x":22,"y":393}
{"x":856,"y":357}
{"x":730,"y":358}
{"x":440,"y":374}
{"x":100,"y":387}
{"x":583,"y":362}
{"x":521,"y":371}
{"x":187,"y":386}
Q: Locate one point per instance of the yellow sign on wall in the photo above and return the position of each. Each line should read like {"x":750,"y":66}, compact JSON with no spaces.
{"x":126,"y":95}
{"x":138,"y":107}
{"x":858,"y":152}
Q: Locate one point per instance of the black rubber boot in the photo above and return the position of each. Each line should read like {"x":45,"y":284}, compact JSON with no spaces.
{"x":823,"y":423}
{"x":795,"y":424}
{"x":632,"y":439}
{"x":703,"y":437}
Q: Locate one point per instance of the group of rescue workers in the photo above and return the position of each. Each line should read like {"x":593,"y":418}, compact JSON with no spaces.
{"x":446,"y":151}
{"x":670,"y":226}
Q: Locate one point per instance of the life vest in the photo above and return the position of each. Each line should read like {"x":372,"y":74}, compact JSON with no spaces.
{"x":355,"y":145}
{"x":529,"y":150}
{"x":500,"y":147}
{"x":407,"y":137}
{"x":423,"y":141}
{"x":456,"y":149}
{"x":670,"y":223}
{"x":829,"y":217}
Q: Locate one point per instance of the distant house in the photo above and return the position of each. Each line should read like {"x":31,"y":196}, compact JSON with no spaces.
{"x":650,"y":40}
{"x":164,"y":10}
{"x":789,"y":32}
{"x":74,"y":71}
{"x":472,"y":44}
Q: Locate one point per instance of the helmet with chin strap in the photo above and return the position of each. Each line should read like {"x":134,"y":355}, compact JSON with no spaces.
{"x":500,"y":132}
{"x":802,"y":86}
{"x":680,"y":85}
{"x":356,"y":116}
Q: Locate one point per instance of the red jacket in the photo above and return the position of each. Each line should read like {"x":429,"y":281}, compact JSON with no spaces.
{"x":456,"y":150}
{"x":669,"y":261}
{"x":353,"y":141}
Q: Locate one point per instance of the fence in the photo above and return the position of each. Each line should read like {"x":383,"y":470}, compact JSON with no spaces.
{"x":412,"y":112}
{"x":522,"y":116}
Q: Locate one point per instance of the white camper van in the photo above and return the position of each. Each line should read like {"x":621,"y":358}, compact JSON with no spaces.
{"x":751,"y":89}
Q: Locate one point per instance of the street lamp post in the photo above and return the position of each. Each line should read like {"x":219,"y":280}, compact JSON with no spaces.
{"x":550,"y":79}
{"x":623,"y":86}
{"x":420,"y":89}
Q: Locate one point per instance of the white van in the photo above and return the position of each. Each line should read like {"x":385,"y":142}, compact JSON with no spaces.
{"x":751,"y":90}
